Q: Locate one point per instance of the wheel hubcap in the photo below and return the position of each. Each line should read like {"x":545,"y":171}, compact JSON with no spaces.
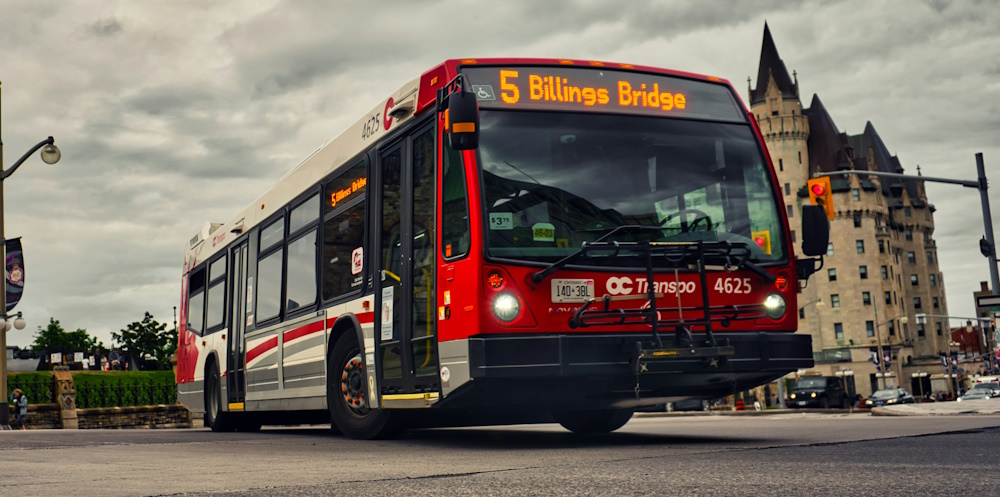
{"x":352,"y":385}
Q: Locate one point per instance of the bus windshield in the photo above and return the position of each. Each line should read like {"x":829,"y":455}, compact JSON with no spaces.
{"x":554,"y":180}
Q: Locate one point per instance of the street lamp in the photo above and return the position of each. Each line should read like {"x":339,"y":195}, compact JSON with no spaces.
{"x":49,"y":154}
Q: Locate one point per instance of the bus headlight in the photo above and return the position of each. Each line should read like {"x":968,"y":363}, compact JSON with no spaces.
{"x":774,"y":306}
{"x":505,"y":307}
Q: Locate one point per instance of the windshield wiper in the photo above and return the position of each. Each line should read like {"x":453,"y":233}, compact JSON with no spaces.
{"x":540,"y":276}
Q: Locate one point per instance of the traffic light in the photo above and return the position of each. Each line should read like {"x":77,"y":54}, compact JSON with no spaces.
{"x":821,"y":194}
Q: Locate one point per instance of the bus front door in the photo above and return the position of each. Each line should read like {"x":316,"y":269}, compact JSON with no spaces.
{"x":236,"y":386}
{"x":406,"y":324}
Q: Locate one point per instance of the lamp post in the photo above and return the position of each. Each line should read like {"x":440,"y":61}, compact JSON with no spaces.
{"x":50,"y":154}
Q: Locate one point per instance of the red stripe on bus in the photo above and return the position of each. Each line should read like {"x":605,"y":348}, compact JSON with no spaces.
{"x":260,"y":349}
{"x":308,"y":329}
{"x":366,"y":317}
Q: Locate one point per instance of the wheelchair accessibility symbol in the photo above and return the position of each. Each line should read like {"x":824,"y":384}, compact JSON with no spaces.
{"x":484,"y":92}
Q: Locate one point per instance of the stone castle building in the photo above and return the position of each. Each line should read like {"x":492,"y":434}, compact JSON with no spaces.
{"x":881,"y":268}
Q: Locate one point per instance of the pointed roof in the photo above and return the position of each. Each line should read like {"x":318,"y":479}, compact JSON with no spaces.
{"x":829,"y":149}
{"x":771,"y":65}
{"x":884,"y":161}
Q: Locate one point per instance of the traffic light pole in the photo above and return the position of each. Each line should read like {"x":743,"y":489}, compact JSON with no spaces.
{"x":988,"y":248}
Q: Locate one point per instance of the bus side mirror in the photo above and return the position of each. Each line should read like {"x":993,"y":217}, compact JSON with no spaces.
{"x":815,"y":230}
{"x":462,"y":120}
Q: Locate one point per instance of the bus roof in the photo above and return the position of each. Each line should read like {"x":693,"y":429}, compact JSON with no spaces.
{"x":411,"y":99}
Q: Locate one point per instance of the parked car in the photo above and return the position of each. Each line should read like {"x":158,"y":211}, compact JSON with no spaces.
{"x":818,"y":391}
{"x":976,"y":394}
{"x":889,"y":396}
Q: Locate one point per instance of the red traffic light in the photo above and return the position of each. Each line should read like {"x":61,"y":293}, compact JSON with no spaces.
{"x":818,"y":189}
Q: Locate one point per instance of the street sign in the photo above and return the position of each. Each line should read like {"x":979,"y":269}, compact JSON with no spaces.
{"x":988,"y":300}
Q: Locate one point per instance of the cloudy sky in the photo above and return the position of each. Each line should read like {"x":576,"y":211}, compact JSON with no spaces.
{"x":173,"y":113}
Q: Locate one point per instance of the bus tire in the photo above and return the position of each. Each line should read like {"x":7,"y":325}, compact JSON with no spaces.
{"x":214,"y":417}
{"x":593,"y":420}
{"x":345,"y":390}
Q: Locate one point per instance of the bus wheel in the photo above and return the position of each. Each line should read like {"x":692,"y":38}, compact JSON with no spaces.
{"x":593,"y":420}
{"x":345,"y":390}
{"x":214,"y":417}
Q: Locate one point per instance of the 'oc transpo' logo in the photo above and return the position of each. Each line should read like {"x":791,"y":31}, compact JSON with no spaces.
{"x":625,"y":286}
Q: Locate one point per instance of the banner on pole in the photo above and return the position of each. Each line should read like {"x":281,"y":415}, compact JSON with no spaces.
{"x":14,"y":272}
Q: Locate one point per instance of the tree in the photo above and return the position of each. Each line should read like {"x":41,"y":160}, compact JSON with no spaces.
{"x":148,"y":338}
{"x":53,"y":338}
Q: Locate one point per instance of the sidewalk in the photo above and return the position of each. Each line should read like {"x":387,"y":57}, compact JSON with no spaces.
{"x":982,"y":407}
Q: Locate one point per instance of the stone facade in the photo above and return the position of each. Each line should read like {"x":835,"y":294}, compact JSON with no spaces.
{"x":881,"y":269}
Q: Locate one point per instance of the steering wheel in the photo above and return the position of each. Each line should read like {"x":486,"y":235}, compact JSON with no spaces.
{"x":699,"y":216}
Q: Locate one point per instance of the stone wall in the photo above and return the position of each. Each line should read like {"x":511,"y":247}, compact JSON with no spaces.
{"x":161,"y":416}
{"x":47,"y":416}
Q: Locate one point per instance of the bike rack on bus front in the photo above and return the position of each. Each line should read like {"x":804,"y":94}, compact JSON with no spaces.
{"x":685,"y":346}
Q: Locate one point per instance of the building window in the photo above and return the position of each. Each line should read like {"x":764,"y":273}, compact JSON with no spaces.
{"x":909,"y":234}
{"x":881,"y":246}
{"x":937,"y":328}
{"x":911,"y":257}
{"x":790,"y":211}
{"x":788,"y":189}
{"x":829,"y":248}
{"x":802,"y":313}
{"x":863,"y":270}
{"x":781,"y":166}
{"x":930,"y":257}
{"x":835,"y":300}
{"x":857,"y":219}
{"x":793,"y":235}
{"x":933,"y":279}
{"x":838,"y":330}
{"x":800,"y":157}
{"x":936,"y":302}
{"x":885,"y":272}
{"x":916,"y":303}
{"x":832,"y":273}
{"x":920,"y":330}
{"x":866,"y":298}
{"x":906,"y":211}
{"x":870,"y":328}
{"x":888,"y":298}
{"x":861,"y":246}
{"x":914,"y":280}
{"x":892,"y":328}
{"x":855,"y":194}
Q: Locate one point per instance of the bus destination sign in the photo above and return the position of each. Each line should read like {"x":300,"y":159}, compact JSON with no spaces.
{"x":601,"y":90}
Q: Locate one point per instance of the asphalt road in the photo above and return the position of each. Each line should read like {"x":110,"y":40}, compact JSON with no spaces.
{"x":785,"y":454}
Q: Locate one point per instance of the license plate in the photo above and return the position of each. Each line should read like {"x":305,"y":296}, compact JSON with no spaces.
{"x":802,"y":403}
{"x":572,"y":290}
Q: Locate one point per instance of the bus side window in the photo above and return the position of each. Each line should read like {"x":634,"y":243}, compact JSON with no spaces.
{"x":343,"y":256}
{"x":196,"y":302}
{"x":269,"y":269}
{"x":455,"y":234}
{"x":216,"y":304}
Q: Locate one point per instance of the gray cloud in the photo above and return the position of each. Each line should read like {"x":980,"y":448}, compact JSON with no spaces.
{"x":169,"y":117}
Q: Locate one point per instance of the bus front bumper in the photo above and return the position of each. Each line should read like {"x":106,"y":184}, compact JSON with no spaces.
{"x":604,"y":369}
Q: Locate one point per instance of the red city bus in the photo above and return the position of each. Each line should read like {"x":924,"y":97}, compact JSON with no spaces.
{"x":503,"y":240}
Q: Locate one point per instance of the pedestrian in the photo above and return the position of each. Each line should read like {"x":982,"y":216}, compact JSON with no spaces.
{"x":20,"y":407}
